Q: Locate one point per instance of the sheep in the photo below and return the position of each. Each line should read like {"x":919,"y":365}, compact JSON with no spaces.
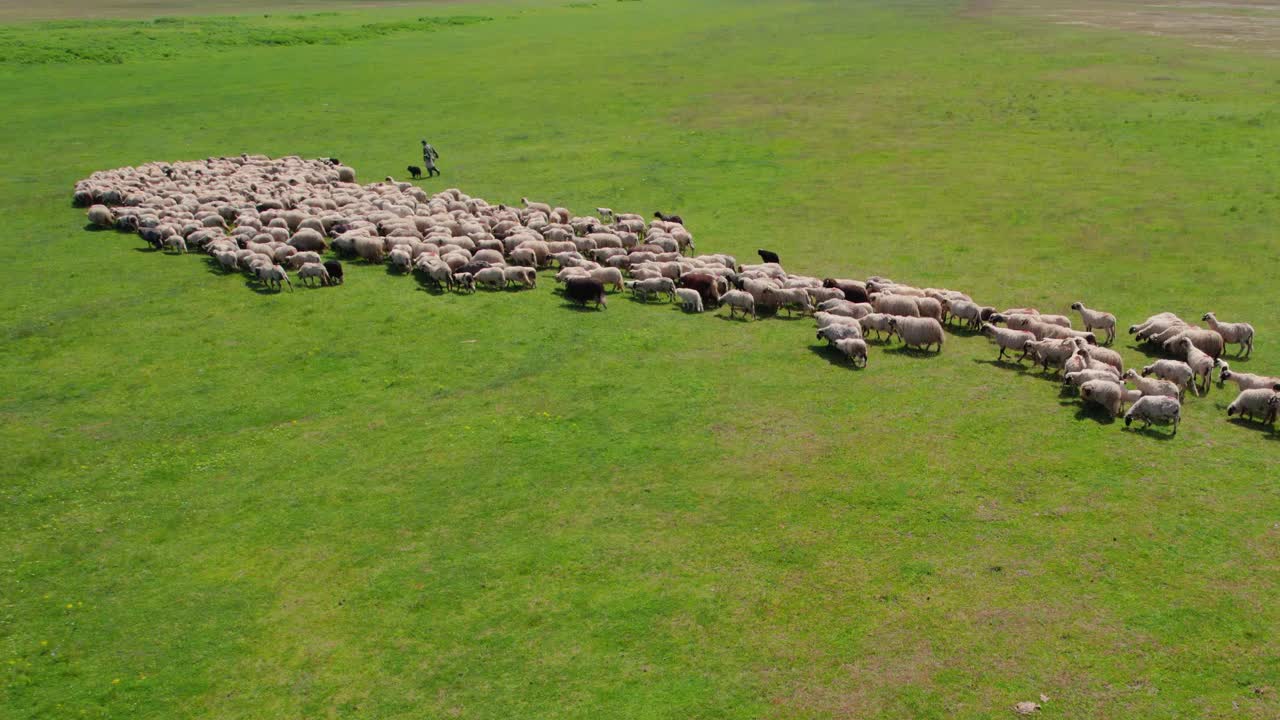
{"x":972,"y":314}
{"x":878,"y":322}
{"x":1153,"y":386}
{"x":1200,"y":362}
{"x":1251,"y":404}
{"x":1175,"y":371}
{"x":854,"y":291}
{"x":335,"y":271}
{"x":520,"y":276}
{"x":824,"y":319}
{"x":1237,"y":333}
{"x":536,"y":206}
{"x":1207,"y":341}
{"x":1083,"y":376}
{"x":585,"y":290}
{"x":1109,"y":395}
{"x":705,"y":283}
{"x":308,"y":239}
{"x":370,"y":249}
{"x":788,"y":298}
{"x":101,"y":216}
{"x":1096,"y":319}
{"x":902,"y":305}
{"x":273,"y":275}
{"x":1156,"y":409}
{"x":298,"y":259}
{"x":313,"y":270}
{"x":1158,"y":320}
{"x":438,"y":273}
{"x":917,"y":332}
{"x":464,"y":282}
{"x":654,"y":286}
{"x":690,"y":300}
{"x":1048,"y":352}
{"x":401,"y":259}
{"x":1246,"y":381}
{"x":1008,"y":339}
{"x":227,"y":260}
{"x":832,"y":333}
{"x":739,"y":301}
{"x":491,"y":277}
{"x":846,"y":308}
{"x":175,"y":242}
{"x":1100,"y":354}
{"x":853,"y":348}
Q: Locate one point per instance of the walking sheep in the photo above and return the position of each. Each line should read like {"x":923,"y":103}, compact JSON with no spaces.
{"x":1156,"y":409}
{"x":1237,"y":333}
{"x":1175,"y":371}
{"x":1097,"y":320}
{"x":1106,"y":393}
{"x":1252,"y":404}
{"x":1008,"y":339}
{"x":313,"y":270}
{"x":1153,"y":386}
{"x":1246,"y":381}
{"x":690,"y":300}
{"x":918,"y":332}
{"x":739,"y":301}
{"x":853,"y":348}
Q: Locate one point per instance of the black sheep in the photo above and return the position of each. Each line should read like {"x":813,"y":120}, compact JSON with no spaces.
{"x":853,"y":290}
{"x":669,"y":218}
{"x":335,"y":271}
{"x":768,"y":256}
{"x":584,"y":290}
{"x":415,"y":171}
{"x":472,"y":267}
{"x":152,"y":237}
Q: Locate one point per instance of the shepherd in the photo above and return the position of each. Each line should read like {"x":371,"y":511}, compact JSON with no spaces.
{"x":429,"y":157}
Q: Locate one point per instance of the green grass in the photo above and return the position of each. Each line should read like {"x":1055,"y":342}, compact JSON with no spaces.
{"x":375,"y":502}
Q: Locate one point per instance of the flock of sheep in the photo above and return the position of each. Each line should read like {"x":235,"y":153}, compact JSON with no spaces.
{"x":267,"y":217}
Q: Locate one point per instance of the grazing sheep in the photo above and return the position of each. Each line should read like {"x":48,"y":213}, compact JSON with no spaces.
{"x":1252,"y":404}
{"x":824,"y":319}
{"x":705,"y":283}
{"x":1153,"y":386}
{"x":464,"y":282}
{"x":584,"y":290}
{"x":1200,"y":362}
{"x":175,"y":242}
{"x":971,"y":314}
{"x":739,"y":301}
{"x":1175,"y":371}
{"x":654,"y":286}
{"x":1156,"y":409}
{"x":877,"y":322}
{"x":335,"y":271}
{"x":370,"y":249}
{"x":273,"y":276}
{"x":1207,"y":341}
{"x":1097,"y":320}
{"x":401,"y":259}
{"x":101,"y":216}
{"x":1008,"y":339}
{"x":789,"y":299}
{"x":853,"y":348}
{"x":491,"y":277}
{"x":1105,"y":393}
{"x":1246,"y":381}
{"x":917,"y":332}
{"x":690,"y":300}
{"x":308,"y":239}
{"x":1237,"y":333}
{"x":832,"y":333}
{"x":298,"y":259}
{"x":1048,"y":352}
{"x":313,"y":270}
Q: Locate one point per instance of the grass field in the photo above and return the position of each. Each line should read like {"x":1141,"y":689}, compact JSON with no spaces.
{"x":376,"y":502}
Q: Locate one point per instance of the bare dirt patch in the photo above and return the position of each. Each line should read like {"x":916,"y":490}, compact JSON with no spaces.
{"x":1245,"y":24}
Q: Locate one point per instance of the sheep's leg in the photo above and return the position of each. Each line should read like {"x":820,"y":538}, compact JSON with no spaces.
{"x":1001,"y":355}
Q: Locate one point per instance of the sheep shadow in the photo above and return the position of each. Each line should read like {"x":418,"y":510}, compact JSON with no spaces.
{"x":1255,"y":425}
{"x":570,"y":305}
{"x":833,"y":356}
{"x":148,"y":249}
{"x":261,"y":288}
{"x":1154,"y":352}
{"x":1153,"y":433}
{"x":736,"y":318}
{"x":960,"y":331}
{"x":911,"y":352}
{"x":1004,"y":365}
{"x":1090,"y":411}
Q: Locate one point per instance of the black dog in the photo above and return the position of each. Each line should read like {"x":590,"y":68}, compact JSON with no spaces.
{"x":769,"y":257}
{"x":415,"y":171}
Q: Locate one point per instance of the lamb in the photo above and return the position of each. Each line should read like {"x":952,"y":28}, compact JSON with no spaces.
{"x":1097,"y":319}
{"x":335,"y":271}
{"x":101,"y":216}
{"x":690,"y":300}
{"x":1255,"y":403}
{"x":853,"y":348}
{"x":917,"y":332}
{"x":1246,"y":381}
{"x":1008,"y":339}
{"x":1105,"y":393}
{"x":1175,"y":371}
{"x":313,"y":270}
{"x":1156,"y":409}
{"x":832,"y":333}
{"x":1237,"y":333}
{"x":1153,"y":386}
{"x":585,"y":290}
{"x":739,"y":301}
{"x":1200,"y":362}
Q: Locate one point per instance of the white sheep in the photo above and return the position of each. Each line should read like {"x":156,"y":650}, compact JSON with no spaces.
{"x":1049,"y":352}
{"x":101,"y":216}
{"x":1097,"y":320}
{"x":1007,"y":339}
{"x":1237,"y":333}
{"x":1199,"y":361}
{"x":1253,"y":404}
{"x":739,"y":301}
{"x":1208,"y":341}
{"x":1246,"y":381}
{"x":313,"y":270}
{"x":1106,"y":393}
{"x":853,"y":348}
{"x":491,"y":277}
{"x":520,"y":276}
{"x":789,"y":299}
{"x":832,"y":333}
{"x":690,"y":300}
{"x":1175,"y":371}
{"x":1156,"y":409}
{"x":1153,"y":386}
{"x":877,"y":322}
{"x":917,"y":331}
{"x":273,"y":275}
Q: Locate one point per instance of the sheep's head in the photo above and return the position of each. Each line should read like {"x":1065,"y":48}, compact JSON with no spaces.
{"x":1077,"y":306}
{"x":1147,"y":370}
{"x":1208,"y":316}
